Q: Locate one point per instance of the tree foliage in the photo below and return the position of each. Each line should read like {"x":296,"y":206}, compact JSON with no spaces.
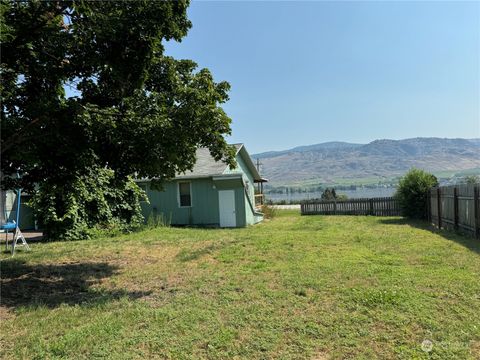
{"x":94,"y":201}
{"x":472,"y":179}
{"x":329,"y":194}
{"x":128,"y":109}
{"x":412,"y":192}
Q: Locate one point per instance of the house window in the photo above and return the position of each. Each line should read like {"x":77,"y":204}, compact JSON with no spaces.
{"x":184,"y":194}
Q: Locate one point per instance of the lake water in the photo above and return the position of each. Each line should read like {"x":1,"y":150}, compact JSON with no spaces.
{"x":352,"y":194}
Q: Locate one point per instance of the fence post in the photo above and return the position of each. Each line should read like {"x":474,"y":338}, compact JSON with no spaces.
{"x":371,"y":206}
{"x":455,"y":208}
{"x":476,"y":211}
{"x":429,"y":204}
{"x":439,"y":208}
{"x":335,"y":207}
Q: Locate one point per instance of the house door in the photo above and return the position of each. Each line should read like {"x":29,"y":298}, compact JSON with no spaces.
{"x":226,"y":206}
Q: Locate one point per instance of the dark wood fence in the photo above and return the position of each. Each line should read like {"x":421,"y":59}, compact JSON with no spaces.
{"x":456,"y":207}
{"x":382,"y":206}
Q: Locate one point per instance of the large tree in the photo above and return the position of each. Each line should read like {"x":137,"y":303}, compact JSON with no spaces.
{"x":131,"y":109}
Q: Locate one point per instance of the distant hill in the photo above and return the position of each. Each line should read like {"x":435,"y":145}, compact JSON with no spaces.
{"x":340,"y":161}
{"x":322,"y":146}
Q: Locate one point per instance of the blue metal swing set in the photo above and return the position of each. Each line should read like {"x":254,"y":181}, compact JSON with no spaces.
{"x":13,"y":225}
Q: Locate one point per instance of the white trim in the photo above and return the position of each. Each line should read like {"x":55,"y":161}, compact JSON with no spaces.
{"x":178,"y":194}
{"x":231,"y":176}
{"x":228,"y":176}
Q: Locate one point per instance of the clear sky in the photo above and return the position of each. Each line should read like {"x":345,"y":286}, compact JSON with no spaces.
{"x":310,"y":72}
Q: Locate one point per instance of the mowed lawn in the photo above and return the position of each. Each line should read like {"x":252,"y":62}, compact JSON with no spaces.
{"x":294,"y":287}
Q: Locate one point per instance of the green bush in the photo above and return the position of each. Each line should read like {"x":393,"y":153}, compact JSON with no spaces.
{"x":412,"y":192}
{"x":87,"y":205}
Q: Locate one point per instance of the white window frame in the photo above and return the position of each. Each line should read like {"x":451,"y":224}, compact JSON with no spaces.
{"x":178,"y":194}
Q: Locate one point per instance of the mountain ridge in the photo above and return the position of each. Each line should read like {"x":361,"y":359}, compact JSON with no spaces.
{"x":325,"y":145}
{"x":381,"y":158}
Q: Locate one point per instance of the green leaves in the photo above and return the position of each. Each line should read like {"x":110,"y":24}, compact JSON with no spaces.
{"x":412,"y":192}
{"x":97,"y":200}
{"x":133,"y":110}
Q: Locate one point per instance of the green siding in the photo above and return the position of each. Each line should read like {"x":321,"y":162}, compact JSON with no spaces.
{"x":250,"y":216}
{"x":204,"y":209}
{"x":27,"y":220}
{"x":247,"y":175}
{"x":240,"y":207}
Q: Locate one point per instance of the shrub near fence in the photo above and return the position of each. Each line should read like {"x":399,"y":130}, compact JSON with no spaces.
{"x":382,"y":206}
{"x":456,"y":207}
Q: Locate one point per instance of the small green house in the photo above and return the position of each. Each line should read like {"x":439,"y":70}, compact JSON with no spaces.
{"x":210,"y":195}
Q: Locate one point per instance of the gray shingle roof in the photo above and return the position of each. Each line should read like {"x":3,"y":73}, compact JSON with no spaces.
{"x":206,"y":164}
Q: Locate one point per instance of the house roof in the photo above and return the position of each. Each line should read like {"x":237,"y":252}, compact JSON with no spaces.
{"x":207,"y":166}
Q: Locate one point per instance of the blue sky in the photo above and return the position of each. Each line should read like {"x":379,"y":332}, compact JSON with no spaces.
{"x":309,"y":72}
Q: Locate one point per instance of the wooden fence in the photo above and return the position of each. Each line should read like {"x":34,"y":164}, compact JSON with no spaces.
{"x":382,"y":206}
{"x":456,"y":207}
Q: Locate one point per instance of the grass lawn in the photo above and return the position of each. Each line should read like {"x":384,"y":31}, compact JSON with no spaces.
{"x":295,"y":287}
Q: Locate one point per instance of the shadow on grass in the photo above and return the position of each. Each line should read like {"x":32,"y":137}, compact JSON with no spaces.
{"x":467,"y":241}
{"x":55,"y":284}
